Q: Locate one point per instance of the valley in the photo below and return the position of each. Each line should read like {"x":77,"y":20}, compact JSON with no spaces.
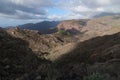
{"x":85,"y":49}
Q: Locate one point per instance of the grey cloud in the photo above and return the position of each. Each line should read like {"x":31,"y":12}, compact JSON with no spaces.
{"x":37,"y":9}
{"x":9,"y":8}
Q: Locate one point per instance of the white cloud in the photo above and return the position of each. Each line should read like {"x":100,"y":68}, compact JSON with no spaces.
{"x":80,"y":9}
{"x":38,"y":9}
{"x":65,"y":16}
{"x":104,"y":2}
{"x":90,"y":8}
{"x":54,"y":17}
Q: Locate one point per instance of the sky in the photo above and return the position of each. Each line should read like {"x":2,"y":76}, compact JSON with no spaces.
{"x":16,"y":12}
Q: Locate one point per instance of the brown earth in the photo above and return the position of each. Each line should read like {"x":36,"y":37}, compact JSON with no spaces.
{"x":39,"y":43}
{"x":72,"y":26}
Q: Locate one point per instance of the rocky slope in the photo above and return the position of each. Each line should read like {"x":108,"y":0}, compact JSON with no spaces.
{"x":103,"y":26}
{"x":16,"y":58}
{"x":97,"y":55}
{"x":91,"y":28}
{"x":72,"y":26}
{"x":94,"y":59}
{"x":95,"y":27}
{"x":39,"y":43}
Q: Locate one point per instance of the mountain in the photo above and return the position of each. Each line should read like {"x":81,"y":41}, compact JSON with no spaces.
{"x":45,"y":27}
{"x":16,"y":58}
{"x":91,"y":54}
{"x":104,"y":14}
{"x":39,"y":43}
{"x":72,"y":26}
{"x":98,"y":57}
{"x":106,"y":25}
{"x":102,"y":26}
{"x":1,"y":28}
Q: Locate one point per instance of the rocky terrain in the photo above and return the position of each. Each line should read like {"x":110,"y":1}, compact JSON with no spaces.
{"x":72,"y":26}
{"x":91,"y":54}
{"x":16,"y":58}
{"x":102,"y":26}
{"x":39,"y":43}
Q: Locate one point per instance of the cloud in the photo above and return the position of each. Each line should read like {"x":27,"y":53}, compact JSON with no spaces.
{"x":89,"y":8}
{"x":25,"y":9}
{"x":39,"y":9}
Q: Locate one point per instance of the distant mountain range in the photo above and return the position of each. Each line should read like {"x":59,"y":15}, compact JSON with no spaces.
{"x":48,"y":27}
{"x":45,"y":27}
{"x":105,"y":14}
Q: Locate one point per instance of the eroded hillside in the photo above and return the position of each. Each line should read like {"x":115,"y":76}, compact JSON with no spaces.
{"x":39,"y":43}
{"x":101,"y":26}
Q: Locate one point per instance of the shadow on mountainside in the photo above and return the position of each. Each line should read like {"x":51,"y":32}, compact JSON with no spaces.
{"x":97,"y":55}
{"x":93,"y":59}
{"x":16,"y":58}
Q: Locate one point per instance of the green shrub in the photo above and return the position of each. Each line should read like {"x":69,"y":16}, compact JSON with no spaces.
{"x":63,"y":32}
{"x":95,"y":76}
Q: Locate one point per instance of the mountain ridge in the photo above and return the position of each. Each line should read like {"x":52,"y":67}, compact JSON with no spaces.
{"x":45,"y":27}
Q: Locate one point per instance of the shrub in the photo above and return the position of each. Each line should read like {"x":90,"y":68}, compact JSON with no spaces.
{"x":63,"y":32}
{"x":95,"y":76}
